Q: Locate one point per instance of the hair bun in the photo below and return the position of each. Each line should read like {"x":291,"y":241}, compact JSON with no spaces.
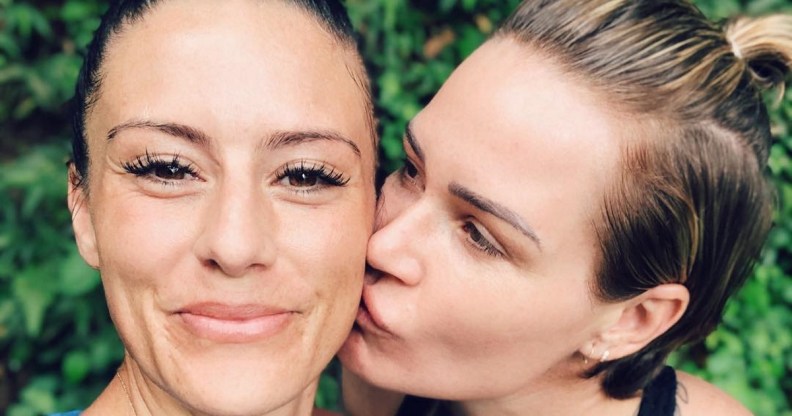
{"x":764,"y":44}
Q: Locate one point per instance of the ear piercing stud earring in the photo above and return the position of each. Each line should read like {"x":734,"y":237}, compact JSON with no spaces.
{"x":603,"y":357}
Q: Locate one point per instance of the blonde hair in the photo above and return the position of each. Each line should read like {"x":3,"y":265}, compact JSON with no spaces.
{"x":691,"y":203}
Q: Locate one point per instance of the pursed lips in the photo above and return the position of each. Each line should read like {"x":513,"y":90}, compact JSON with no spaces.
{"x":368,"y":317}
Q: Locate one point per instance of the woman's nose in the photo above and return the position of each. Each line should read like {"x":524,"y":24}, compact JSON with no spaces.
{"x":239,"y":229}
{"x":397,"y":247}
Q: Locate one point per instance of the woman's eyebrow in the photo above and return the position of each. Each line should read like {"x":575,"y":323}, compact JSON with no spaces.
{"x":288,"y":138}
{"x":496,"y":209}
{"x":197,"y":136}
{"x":183,"y":131}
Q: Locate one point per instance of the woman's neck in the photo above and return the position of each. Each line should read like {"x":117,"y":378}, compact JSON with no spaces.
{"x":567,"y":397}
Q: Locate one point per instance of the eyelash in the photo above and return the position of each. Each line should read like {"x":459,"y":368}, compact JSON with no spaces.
{"x":149,"y":166}
{"x":316,"y":171}
{"x":478,"y":241}
{"x":404,"y":174}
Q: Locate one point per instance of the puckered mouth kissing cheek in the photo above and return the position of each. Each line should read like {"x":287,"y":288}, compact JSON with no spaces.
{"x":368,"y":319}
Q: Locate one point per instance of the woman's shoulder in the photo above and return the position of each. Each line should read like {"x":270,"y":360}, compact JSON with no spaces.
{"x":698,"y":397}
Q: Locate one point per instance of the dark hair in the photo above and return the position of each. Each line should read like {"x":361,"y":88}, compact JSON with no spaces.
{"x":691,"y":203}
{"x":331,"y":14}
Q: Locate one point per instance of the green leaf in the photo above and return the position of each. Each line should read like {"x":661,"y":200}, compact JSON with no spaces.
{"x":74,"y":11}
{"x":33,"y":288}
{"x":76,"y":366}
{"x":21,"y":410}
{"x":469,"y":40}
{"x":328,"y":393}
{"x":445,"y":6}
{"x":469,"y":5}
{"x":39,"y":399}
{"x":76,"y":277}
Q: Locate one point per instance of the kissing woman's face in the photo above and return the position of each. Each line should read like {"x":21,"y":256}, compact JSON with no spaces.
{"x":230,"y":197}
{"x":485,"y":250}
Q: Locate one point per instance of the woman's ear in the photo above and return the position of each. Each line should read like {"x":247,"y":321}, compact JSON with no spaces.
{"x":643,"y":319}
{"x":81,"y":220}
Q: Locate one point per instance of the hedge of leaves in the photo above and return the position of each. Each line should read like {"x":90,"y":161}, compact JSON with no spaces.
{"x":57,"y":345}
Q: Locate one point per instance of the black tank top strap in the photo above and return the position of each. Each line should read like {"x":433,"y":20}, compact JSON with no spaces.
{"x":659,"y":397}
{"x":419,"y":406}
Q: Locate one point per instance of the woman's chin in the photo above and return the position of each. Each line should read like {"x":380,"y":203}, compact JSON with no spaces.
{"x":245,"y":378}
{"x":239,"y":385}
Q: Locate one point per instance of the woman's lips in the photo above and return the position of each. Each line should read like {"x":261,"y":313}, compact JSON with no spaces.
{"x":234,"y":323}
{"x":367,"y":318}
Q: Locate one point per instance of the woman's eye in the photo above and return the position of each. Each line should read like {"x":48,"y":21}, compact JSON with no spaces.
{"x":303,"y":179}
{"x":410,"y":170}
{"x":408,"y":173}
{"x":309,"y":176}
{"x":479,"y":241}
{"x":170,"y":172}
{"x":160,"y":169}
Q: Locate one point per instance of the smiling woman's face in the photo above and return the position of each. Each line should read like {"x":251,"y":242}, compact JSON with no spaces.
{"x":485,"y":249}
{"x":229,"y":202}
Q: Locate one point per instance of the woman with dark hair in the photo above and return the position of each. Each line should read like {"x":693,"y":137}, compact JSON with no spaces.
{"x":580,"y":198}
{"x":223,"y":184}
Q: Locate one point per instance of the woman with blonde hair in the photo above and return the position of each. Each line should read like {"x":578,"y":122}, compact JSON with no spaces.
{"x":580,"y":198}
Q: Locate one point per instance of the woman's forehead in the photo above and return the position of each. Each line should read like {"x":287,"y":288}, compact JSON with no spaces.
{"x":248,"y":66}
{"x":519,"y":105}
{"x":510,"y":126}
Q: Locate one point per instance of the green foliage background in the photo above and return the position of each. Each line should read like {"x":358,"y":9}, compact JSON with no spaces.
{"x":57,"y":346}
